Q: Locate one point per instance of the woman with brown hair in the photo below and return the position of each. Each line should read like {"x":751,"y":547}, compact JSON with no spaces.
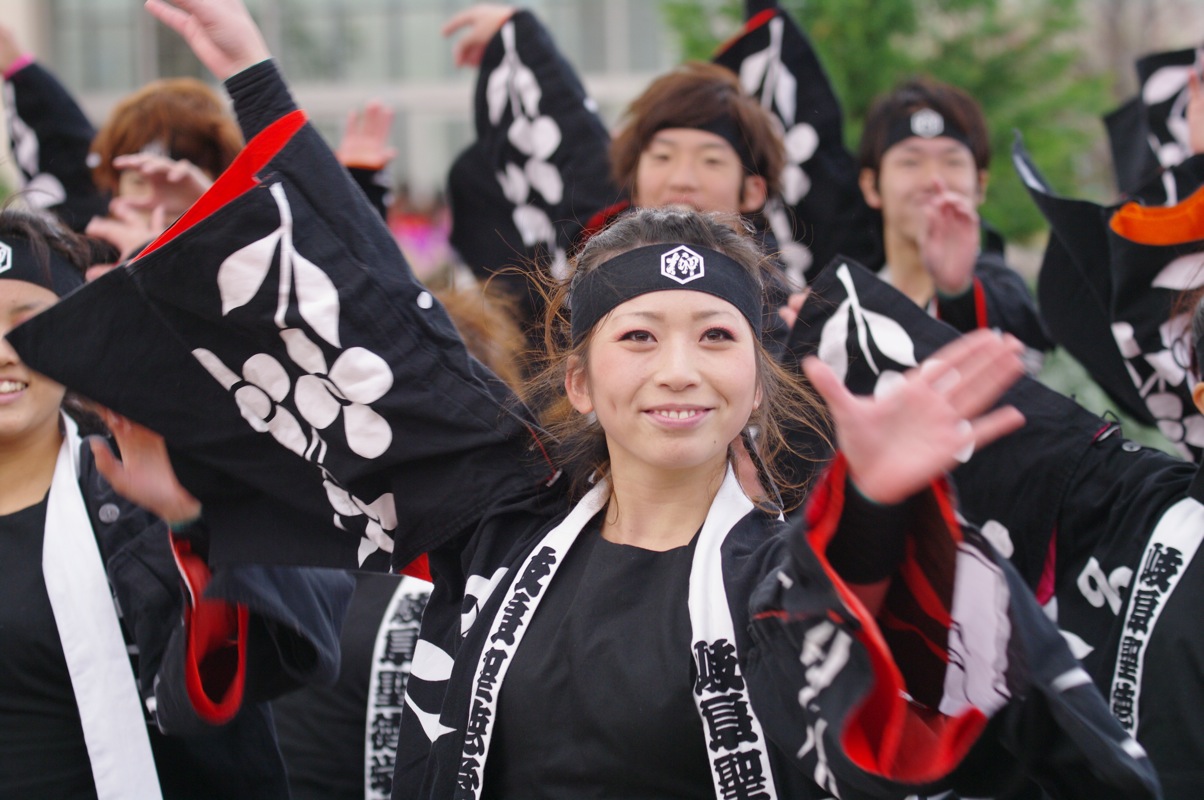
{"x":634,"y":624}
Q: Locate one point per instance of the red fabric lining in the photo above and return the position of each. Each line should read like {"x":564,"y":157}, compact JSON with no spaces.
{"x":215,"y":661}
{"x":926,"y":596}
{"x":418,"y":568}
{"x":886,"y":735}
{"x":238,"y":178}
{"x":601,"y":219}
{"x":750,"y":26}
{"x":980,"y":305}
{"x":1047,"y":583}
{"x":889,"y":620}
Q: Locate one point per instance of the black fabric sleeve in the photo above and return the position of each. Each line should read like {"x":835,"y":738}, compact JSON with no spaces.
{"x":871,"y":538}
{"x":50,"y":137}
{"x":260,"y":97}
{"x":959,"y":310}
{"x":1010,"y":304}
{"x":375,"y":187}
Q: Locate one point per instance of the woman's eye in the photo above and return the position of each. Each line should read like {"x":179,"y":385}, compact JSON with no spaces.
{"x":636,"y":336}
{"x":718,"y":335}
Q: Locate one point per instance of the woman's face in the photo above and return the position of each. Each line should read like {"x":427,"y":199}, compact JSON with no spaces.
{"x":672,"y":379}
{"x":29,"y":402}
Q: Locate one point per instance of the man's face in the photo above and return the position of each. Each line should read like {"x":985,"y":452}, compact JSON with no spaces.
{"x":912,"y":172}
{"x":698,"y":169}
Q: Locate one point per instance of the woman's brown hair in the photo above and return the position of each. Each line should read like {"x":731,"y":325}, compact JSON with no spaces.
{"x":580,"y":444}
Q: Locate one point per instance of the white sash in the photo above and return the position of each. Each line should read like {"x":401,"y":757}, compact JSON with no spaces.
{"x":737,"y":748}
{"x":105,"y":689}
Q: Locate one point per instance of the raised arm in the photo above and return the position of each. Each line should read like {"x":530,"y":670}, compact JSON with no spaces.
{"x":49,"y":137}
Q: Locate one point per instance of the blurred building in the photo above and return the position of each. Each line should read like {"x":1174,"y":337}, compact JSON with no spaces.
{"x":338,"y":54}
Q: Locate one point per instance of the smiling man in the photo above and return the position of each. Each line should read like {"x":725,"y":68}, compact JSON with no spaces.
{"x":924,"y":157}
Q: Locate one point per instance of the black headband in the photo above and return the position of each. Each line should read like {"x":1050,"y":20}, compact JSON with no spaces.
{"x":19,"y":263}
{"x":727,"y":129}
{"x":927,"y":123}
{"x":657,"y":268}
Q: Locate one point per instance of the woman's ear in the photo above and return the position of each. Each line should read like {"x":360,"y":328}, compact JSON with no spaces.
{"x":576,"y":386}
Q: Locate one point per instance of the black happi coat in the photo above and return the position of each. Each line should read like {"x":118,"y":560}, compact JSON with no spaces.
{"x":49,"y":137}
{"x":241,"y":308}
{"x":1111,"y":285}
{"x":1104,"y":530}
{"x":291,"y":638}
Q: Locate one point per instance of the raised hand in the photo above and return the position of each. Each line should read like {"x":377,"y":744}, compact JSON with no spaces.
{"x":128,"y":227}
{"x":10,"y":48}
{"x":949,"y":240}
{"x":479,"y":23}
{"x":144,"y":474}
{"x":221,"y":33}
{"x":794,"y":306}
{"x":900,"y":441}
{"x":365,"y":142}
{"x":174,"y":185}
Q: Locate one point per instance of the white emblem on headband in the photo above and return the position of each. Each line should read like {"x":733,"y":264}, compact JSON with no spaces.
{"x":6,"y":257}
{"x":682,"y":265}
{"x":927,"y":123}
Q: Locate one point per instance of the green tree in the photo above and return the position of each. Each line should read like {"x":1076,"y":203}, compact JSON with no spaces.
{"x":1016,"y":57}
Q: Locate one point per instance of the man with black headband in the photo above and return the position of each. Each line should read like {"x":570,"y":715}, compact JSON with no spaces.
{"x":545,"y":174}
{"x":924,"y":156}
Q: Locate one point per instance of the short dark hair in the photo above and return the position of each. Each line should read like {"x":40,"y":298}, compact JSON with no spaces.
{"x":691,"y":96}
{"x":184,"y":116}
{"x":950,"y":102}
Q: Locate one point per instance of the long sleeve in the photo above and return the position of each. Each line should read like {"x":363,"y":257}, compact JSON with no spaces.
{"x":539,"y":169}
{"x":49,"y":137}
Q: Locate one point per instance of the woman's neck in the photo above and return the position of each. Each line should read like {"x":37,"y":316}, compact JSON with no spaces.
{"x":657,"y":510}
{"x":27,"y":468}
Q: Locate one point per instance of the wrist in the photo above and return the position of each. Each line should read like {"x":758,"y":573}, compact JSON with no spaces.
{"x":16,"y":65}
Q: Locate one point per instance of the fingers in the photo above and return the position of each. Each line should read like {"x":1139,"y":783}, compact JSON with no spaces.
{"x":458,"y":21}
{"x":995,"y":425}
{"x":974,"y":370}
{"x":794,"y":306}
{"x":107,"y":463}
{"x":829,"y":387}
{"x":174,"y":18}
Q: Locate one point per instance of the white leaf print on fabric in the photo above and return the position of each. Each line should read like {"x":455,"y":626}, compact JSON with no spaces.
{"x":317,"y":299}
{"x":545,"y":179}
{"x":321,"y":395}
{"x":1184,"y":273}
{"x":533,"y":225}
{"x":889,"y":336}
{"x":430,"y":723}
{"x":477,"y":590}
{"x":243,"y":272}
{"x":514,"y":184}
{"x":978,"y":636}
{"x":997,"y":534}
{"x":536,"y":137}
{"x":430,"y":663}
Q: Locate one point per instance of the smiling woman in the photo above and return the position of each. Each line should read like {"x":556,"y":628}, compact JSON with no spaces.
{"x":645,"y":629}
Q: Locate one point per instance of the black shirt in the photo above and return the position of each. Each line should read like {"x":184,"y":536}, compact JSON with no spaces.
{"x":42,"y":750}
{"x":597,"y":702}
